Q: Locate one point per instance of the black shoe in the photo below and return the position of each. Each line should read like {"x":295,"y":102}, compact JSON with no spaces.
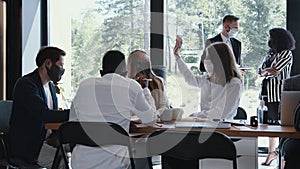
{"x":271,"y":156}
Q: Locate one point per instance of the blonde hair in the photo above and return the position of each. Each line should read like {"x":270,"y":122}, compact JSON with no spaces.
{"x":132,"y":61}
{"x":224,"y":63}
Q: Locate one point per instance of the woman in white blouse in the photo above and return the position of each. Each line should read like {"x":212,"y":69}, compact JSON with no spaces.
{"x":221,"y":87}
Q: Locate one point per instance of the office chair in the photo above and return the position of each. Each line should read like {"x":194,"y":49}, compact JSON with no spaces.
{"x":240,"y":114}
{"x":184,"y":149}
{"x":5,"y":113}
{"x":73,"y":133}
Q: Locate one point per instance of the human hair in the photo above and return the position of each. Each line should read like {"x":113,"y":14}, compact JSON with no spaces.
{"x":223,"y":62}
{"x":132,"y":62}
{"x":230,"y":18}
{"x":113,"y":61}
{"x":48,"y":52}
{"x":281,"y":39}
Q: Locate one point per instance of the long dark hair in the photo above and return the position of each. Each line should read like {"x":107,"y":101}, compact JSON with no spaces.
{"x":224,"y":62}
{"x":281,"y":39}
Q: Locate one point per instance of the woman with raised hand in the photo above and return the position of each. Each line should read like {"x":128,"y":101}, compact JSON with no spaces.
{"x":221,"y":87}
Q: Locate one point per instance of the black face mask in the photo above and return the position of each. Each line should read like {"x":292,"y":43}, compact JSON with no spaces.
{"x":270,"y":44}
{"x":55,"y":73}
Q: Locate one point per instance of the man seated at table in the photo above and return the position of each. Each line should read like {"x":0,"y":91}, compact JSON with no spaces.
{"x":34,"y":104}
{"x":111,"y":98}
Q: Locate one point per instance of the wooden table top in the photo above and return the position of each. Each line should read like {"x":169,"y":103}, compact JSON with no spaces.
{"x":235,"y":130}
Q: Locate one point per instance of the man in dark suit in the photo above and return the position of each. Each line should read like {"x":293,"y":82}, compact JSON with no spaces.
{"x":34,"y":104}
{"x":230,"y":28}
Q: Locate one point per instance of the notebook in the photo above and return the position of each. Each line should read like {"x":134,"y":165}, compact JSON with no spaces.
{"x":289,"y":101}
{"x":208,"y":124}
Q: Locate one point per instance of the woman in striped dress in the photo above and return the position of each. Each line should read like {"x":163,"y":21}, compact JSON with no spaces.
{"x":275,"y":68}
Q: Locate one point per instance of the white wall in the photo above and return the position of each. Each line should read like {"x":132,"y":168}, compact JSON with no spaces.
{"x":31,"y":34}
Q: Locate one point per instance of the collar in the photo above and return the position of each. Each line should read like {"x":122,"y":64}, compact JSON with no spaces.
{"x":224,"y":38}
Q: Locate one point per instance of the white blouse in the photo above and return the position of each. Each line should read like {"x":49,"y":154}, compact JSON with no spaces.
{"x":217,"y":101}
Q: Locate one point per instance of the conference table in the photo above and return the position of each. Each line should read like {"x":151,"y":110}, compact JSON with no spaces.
{"x":236,"y":129}
{"x":240,"y":129}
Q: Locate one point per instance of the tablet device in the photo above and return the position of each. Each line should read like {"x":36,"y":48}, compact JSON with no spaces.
{"x":208,"y":124}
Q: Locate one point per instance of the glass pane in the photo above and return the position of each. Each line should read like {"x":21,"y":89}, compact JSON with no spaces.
{"x":87,"y":29}
{"x":199,"y":20}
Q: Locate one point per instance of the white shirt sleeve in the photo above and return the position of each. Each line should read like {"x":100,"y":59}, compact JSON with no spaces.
{"x":149,"y":98}
{"x":73,"y":115}
{"x":188,"y":75}
{"x":144,"y":107}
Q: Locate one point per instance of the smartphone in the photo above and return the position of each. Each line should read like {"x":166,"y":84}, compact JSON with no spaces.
{"x":179,"y":39}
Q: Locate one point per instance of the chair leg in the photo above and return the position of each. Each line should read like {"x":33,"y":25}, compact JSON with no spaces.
{"x":234,"y":164}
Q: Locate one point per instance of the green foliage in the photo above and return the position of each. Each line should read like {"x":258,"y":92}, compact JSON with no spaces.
{"x":257,"y":17}
{"x":124,"y":25}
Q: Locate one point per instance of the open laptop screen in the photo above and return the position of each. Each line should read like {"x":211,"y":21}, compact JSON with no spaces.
{"x":289,"y":101}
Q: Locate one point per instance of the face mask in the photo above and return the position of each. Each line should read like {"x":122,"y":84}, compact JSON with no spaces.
{"x":209,"y":67}
{"x":232,"y":32}
{"x":55,"y":73}
{"x":270,"y":44}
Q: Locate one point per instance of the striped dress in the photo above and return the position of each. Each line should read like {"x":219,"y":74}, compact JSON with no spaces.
{"x":283,"y":63}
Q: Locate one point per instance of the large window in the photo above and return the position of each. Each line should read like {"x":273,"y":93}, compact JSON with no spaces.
{"x":87,"y":29}
{"x":199,"y":20}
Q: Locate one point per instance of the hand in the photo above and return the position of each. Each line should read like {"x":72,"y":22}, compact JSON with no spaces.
{"x":141,"y":80}
{"x":243,"y":71}
{"x":157,"y":125}
{"x":177,"y":46}
{"x":193,"y":115}
{"x":268,"y":71}
{"x":272,"y":71}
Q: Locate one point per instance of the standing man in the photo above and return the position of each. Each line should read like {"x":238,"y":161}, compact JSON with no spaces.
{"x":34,"y":104}
{"x":230,"y":29}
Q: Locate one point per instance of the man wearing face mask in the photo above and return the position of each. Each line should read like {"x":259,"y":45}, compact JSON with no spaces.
{"x":230,"y":29}
{"x":34,"y":104}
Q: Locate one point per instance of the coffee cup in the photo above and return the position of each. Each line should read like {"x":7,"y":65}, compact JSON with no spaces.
{"x":166,"y":115}
{"x":177,"y":113}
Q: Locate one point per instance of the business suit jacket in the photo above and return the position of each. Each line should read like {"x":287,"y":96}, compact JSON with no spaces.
{"x":30,"y":112}
{"x":236,"y":47}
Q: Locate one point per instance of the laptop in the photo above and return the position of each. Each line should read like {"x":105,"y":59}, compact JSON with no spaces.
{"x":289,"y":101}
{"x":208,"y":124}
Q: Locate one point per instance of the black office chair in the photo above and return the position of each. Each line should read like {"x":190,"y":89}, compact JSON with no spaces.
{"x":240,"y":114}
{"x":5,"y":113}
{"x":94,"y":134}
{"x":184,"y":149}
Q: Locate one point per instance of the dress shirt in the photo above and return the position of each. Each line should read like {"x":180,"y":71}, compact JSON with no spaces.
{"x":217,"y":101}
{"x":111,"y":98}
{"x":226,"y":40}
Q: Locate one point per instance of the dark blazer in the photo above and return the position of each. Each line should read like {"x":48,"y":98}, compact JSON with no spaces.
{"x":30,"y":112}
{"x":236,"y":47}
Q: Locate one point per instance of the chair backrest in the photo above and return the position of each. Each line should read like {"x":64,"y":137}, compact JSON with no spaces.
{"x":240,"y":114}
{"x":94,"y":134}
{"x":184,"y":149}
{"x":5,"y":112}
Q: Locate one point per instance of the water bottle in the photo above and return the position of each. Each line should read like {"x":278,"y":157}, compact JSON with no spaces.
{"x":262,"y":112}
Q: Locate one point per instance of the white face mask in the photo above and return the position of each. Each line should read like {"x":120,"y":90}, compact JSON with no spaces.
{"x":232,"y":32}
{"x":209,"y":67}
